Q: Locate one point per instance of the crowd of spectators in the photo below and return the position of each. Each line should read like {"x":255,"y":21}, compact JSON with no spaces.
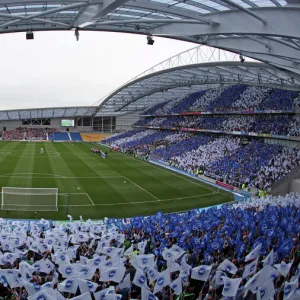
{"x":24,"y":133}
{"x":248,"y":250}
{"x":271,"y":124}
{"x":231,"y":98}
{"x":233,"y":160}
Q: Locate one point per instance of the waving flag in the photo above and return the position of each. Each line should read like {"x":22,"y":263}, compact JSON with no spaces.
{"x":284,"y":268}
{"x":227,"y":266}
{"x":114,"y":274}
{"x":269,"y":260}
{"x":86,"y":286}
{"x":162,"y":281}
{"x":147,"y":295}
{"x":14,"y":281}
{"x":184,"y":264}
{"x":86,"y":296}
{"x":145,"y":260}
{"x":152,"y":274}
{"x":254,"y":253}
{"x":230,"y":286}
{"x":250,"y":268}
{"x":32,"y":288}
{"x":68,"y":271}
{"x":176,"y":286}
{"x":142,"y":246}
{"x":201,"y":273}
{"x":125,"y":283}
{"x":219,"y":277}
{"x":101,"y":294}
{"x":68,"y":286}
{"x":140,"y":279}
{"x":266,"y":291}
{"x":289,"y":288}
{"x":46,"y":294}
{"x":173,"y":266}
{"x":129,"y":251}
{"x":85,"y":271}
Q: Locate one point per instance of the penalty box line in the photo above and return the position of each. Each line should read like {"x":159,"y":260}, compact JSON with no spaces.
{"x":87,"y":195}
{"x":142,"y":189}
{"x":145,"y":202}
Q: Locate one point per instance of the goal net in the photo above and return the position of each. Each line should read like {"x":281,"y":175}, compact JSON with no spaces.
{"x":29,"y":199}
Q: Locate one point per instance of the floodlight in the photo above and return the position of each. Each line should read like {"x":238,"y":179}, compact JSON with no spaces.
{"x":29,"y":35}
{"x":150,"y":40}
{"x":242,"y":59}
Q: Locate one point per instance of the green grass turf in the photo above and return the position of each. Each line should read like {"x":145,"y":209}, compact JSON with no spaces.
{"x":119,"y":186}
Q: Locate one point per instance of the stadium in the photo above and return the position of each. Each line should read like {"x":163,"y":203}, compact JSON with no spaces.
{"x":181,"y":183}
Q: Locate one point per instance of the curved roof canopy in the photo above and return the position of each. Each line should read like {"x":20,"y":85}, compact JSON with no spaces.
{"x":47,"y":113}
{"x":180,"y":81}
{"x":266,"y":30}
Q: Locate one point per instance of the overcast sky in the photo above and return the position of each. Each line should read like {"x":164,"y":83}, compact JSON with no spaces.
{"x":56,"y":70}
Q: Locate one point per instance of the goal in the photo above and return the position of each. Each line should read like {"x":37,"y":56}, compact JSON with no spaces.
{"x":29,"y":199}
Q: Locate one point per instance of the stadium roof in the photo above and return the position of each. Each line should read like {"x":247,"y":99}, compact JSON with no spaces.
{"x":180,"y":81}
{"x":45,"y":113}
{"x":266,"y":30}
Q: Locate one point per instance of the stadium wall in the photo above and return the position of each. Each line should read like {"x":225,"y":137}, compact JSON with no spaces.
{"x":54,"y":123}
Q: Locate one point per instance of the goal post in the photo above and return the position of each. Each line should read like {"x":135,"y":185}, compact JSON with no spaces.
{"x":29,"y":199}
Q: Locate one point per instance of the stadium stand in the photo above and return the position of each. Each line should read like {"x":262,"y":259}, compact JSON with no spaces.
{"x":59,"y":136}
{"x":93,"y":137}
{"x":75,"y":136}
{"x":232,"y":251}
{"x":24,"y":133}
{"x":239,"y":162}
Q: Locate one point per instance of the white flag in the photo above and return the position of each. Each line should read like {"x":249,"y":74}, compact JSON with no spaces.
{"x":284,"y":268}
{"x":68,"y":286}
{"x":85,"y":271}
{"x":227,"y":266}
{"x":125,"y":283}
{"x":86,"y":296}
{"x":147,"y":295}
{"x":184,"y":264}
{"x":87,"y":286}
{"x":45,"y":294}
{"x":176,"y":286}
{"x":230,"y":286}
{"x":266,"y":291}
{"x":32,"y":288}
{"x":254,"y":253}
{"x":201,"y":273}
{"x":219,"y":277}
{"x":129,"y":251}
{"x":289,"y":289}
{"x":145,"y":260}
{"x":140,"y":279}
{"x":162,"y":281}
{"x":269,"y":260}
{"x":142,"y":246}
{"x":114,"y":274}
{"x":250,"y":268}
{"x":101,"y":294}
{"x":68,"y":271}
{"x":152,"y":274}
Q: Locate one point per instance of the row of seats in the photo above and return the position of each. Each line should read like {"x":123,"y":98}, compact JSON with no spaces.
{"x":270,"y":124}
{"x":231,"y":98}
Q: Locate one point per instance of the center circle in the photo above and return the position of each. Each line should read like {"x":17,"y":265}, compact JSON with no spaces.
{"x":30,"y":153}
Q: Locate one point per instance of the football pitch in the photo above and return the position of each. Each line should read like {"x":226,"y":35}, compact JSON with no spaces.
{"x":118,"y":186}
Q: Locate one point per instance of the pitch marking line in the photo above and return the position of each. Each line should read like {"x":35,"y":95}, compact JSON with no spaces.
{"x":142,"y":188}
{"x":142,"y":202}
{"x":149,"y":164}
{"x":87,"y":195}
